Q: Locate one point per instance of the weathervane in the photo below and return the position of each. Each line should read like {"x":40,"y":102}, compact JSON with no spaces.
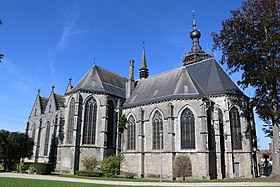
{"x":194,"y":24}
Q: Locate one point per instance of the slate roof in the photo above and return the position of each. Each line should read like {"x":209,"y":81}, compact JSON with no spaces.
{"x":174,"y":84}
{"x":197,"y":80}
{"x":101,"y":80}
{"x":212,"y":78}
{"x":43,"y":103}
{"x":58,"y":100}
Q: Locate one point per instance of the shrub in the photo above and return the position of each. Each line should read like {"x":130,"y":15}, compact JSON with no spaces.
{"x":40,"y":168}
{"x":89,"y":173}
{"x":182,"y":166}
{"x":129,"y":175}
{"x":110,"y":165}
{"x":31,"y":169}
{"x":21,"y":167}
{"x":90,"y":163}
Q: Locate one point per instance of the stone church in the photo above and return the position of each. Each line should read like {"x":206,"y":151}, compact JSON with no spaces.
{"x":194,"y":110}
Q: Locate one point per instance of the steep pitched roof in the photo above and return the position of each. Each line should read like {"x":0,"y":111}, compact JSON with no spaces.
{"x":58,"y":100}
{"x":101,"y":80}
{"x":173,"y":84}
{"x":211,"y":77}
{"x":43,"y":103}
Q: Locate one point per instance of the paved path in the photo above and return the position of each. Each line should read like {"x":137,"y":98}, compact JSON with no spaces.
{"x":56,"y":178}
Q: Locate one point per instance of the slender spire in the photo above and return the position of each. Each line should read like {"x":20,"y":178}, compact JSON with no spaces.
{"x":194,"y":24}
{"x":144,"y":71}
{"x":69,"y":86}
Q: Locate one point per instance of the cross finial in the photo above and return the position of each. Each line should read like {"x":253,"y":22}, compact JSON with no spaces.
{"x":194,"y":24}
{"x":53,"y":87}
{"x":94,"y":60}
{"x":143,"y":45}
{"x":39,"y":91}
{"x":70,"y":80}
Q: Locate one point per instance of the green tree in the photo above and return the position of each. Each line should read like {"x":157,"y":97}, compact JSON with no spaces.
{"x":13,"y":147}
{"x":249,"y":41}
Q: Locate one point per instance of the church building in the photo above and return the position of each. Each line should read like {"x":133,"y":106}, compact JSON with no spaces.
{"x":194,"y":110}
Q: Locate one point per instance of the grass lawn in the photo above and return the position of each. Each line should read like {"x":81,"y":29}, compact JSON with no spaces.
{"x":15,"y":182}
{"x":18,"y":182}
{"x":260,"y":179}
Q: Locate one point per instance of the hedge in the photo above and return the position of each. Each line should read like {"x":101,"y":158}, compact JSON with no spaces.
{"x":89,"y":173}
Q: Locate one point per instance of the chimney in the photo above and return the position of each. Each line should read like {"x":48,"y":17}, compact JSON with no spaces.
{"x":130,"y":83}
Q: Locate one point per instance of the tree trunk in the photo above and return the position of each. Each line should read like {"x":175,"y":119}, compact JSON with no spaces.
{"x":275,"y":140}
{"x":275,"y":152}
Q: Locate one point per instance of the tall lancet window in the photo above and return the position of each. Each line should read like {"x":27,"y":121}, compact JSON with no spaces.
{"x":131,"y":133}
{"x":187,"y":130}
{"x":47,"y":138}
{"x":111,"y":125}
{"x":70,"y":128}
{"x":33,"y":131}
{"x":157,"y":130}
{"x":90,"y":122}
{"x":235,"y":126}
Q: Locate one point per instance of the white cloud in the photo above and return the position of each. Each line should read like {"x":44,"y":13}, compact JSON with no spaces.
{"x":68,"y":30}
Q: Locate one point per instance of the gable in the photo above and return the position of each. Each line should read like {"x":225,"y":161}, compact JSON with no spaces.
{"x":51,"y":105}
{"x":101,"y":80}
{"x":39,"y":106}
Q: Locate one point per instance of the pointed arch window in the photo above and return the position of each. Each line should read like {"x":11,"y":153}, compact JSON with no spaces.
{"x":131,"y":133}
{"x":157,"y":130}
{"x":111,"y":125}
{"x":33,"y":132}
{"x":235,"y":126}
{"x":187,"y":130}
{"x":47,"y":138}
{"x":69,"y":137}
{"x":90,"y":122}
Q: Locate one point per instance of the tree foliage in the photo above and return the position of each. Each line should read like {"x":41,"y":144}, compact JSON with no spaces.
{"x":122,"y":121}
{"x":13,"y":147}
{"x":249,"y":41}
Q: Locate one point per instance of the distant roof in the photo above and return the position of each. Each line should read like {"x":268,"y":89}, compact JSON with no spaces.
{"x":174,"y":84}
{"x":197,"y":80}
{"x":101,"y":80}
{"x":211,"y":77}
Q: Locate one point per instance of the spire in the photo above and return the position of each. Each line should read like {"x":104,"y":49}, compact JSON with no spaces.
{"x":196,"y":53}
{"x":39,"y":91}
{"x":53,"y":88}
{"x":144,"y":71}
{"x":194,"y":24}
{"x":69,"y":86}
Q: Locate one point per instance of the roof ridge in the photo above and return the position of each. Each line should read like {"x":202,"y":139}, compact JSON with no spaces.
{"x":168,"y":71}
{"x":109,"y":71}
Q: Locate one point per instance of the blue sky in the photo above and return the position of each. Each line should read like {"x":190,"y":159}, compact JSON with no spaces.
{"x":46,"y":42}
